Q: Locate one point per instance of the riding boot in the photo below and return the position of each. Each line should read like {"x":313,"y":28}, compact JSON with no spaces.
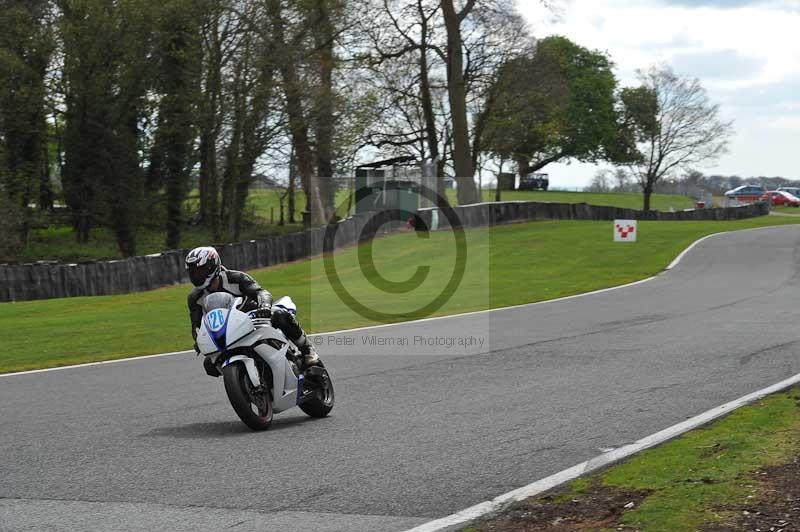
{"x":287,"y":322}
{"x":307,"y":349}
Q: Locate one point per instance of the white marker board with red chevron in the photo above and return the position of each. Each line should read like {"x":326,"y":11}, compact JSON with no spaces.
{"x":625,"y":230}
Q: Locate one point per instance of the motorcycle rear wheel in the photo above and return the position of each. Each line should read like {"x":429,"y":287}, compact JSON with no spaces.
{"x":254,"y":408}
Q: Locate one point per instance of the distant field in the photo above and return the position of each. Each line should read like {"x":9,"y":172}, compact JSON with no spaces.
{"x":628,"y":200}
{"x":265,"y":200}
{"x":58,"y":242}
{"x":266,"y":204}
{"x":507,"y":265}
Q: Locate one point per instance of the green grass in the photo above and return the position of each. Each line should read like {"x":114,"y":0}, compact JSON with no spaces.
{"x":266,"y":204}
{"x":58,"y":242}
{"x":262,"y":201}
{"x":507,"y":265}
{"x":628,"y":200}
{"x":787,"y":210}
{"x":692,"y":479}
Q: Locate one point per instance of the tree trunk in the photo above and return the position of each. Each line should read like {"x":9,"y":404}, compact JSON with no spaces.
{"x":176,"y":113}
{"x":209,"y":187}
{"x":298,"y":123}
{"x":457,"y":93}
{"x":175,"y":196}
{"x":324,"y":119}
{"x":210,"y":127}
{"x":426,"y":99}
{"x":648,"y":191}
{"x":122,"y":189}
{"x":154,"y":178}
{"x":523,"y":166}
{"x":292,"y":186}
{"x":45,"y":186}
{"x":499,"y":174}
{"x":230,"y":176}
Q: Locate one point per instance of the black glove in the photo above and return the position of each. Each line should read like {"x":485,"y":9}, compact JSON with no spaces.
{"x":196,"y":349}
{"x":262,"y":312}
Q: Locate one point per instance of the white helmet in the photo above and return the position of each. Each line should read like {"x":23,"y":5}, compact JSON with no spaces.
{"x":203,"y":265}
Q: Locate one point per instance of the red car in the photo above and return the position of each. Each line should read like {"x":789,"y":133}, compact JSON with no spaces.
{"x":781,"y":197}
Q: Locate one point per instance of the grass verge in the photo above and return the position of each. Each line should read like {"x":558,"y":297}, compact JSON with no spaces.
{"x":57,"y":242}
{"x":264,"y":202}
{"x":787,"y":210}
{"x":627,"y":200}
{"x":708,"y":479}
{"x":507,"y":265}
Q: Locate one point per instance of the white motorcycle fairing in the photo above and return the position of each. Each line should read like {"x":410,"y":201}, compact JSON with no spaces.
{"x":225,"y":331}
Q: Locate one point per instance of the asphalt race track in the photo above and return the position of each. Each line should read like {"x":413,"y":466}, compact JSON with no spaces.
{"x":417,"y":433}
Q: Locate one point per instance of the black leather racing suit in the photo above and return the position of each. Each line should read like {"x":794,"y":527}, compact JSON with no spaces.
{"x":236,"y":283}
{"x":241,"y":284}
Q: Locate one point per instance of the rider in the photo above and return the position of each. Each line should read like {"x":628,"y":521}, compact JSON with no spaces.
{"x":208,"y":276}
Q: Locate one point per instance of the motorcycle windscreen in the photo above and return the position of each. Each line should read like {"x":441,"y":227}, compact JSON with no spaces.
{"x":217,"y":300}
{"x":217,"y":309}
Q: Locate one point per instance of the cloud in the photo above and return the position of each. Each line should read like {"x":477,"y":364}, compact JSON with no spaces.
{"x":765,"y":98}
{"x":720,"y":4}
{"x":721,"y":65}
{"x":789,"y":5}
{"x":745,"y":53}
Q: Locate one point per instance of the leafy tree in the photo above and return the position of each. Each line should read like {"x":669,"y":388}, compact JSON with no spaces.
{"x":555,"y":103}
{"x":675,"y":126}
{"x":178,"y":54}
{"x":106,"y":48}
{"x":26,"y":45}
{"x":10,"y":242}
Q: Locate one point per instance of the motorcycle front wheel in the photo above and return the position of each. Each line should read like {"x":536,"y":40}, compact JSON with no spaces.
{"x":253,"y":407}
{"x":321,"y":402}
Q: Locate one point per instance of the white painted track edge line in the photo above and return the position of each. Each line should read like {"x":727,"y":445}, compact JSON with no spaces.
{"x":540,"y":486}
{"x":98,"y":363}
{"x":369,"y":327}
{"x":683,"y":253}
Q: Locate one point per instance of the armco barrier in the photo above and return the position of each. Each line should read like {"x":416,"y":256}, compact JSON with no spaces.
{"x":47,"y":280}
{"x":483,"y":214}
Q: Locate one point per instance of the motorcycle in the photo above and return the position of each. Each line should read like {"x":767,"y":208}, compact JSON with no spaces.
{"x":262,"y":370}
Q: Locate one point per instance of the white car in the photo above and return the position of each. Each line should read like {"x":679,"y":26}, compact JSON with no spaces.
{"x":794,"y":191}
{"x":746,"y":193}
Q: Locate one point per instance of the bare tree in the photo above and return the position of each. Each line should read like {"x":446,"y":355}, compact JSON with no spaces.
{"x":404,"y":54}
{"x":622,"y":180}
{"x":675,"y":124}
{"x":411,"y":55}
{"x":600,"y":181}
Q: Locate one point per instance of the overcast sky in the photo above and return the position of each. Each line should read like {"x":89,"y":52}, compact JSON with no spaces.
{"x":745,"y":52}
